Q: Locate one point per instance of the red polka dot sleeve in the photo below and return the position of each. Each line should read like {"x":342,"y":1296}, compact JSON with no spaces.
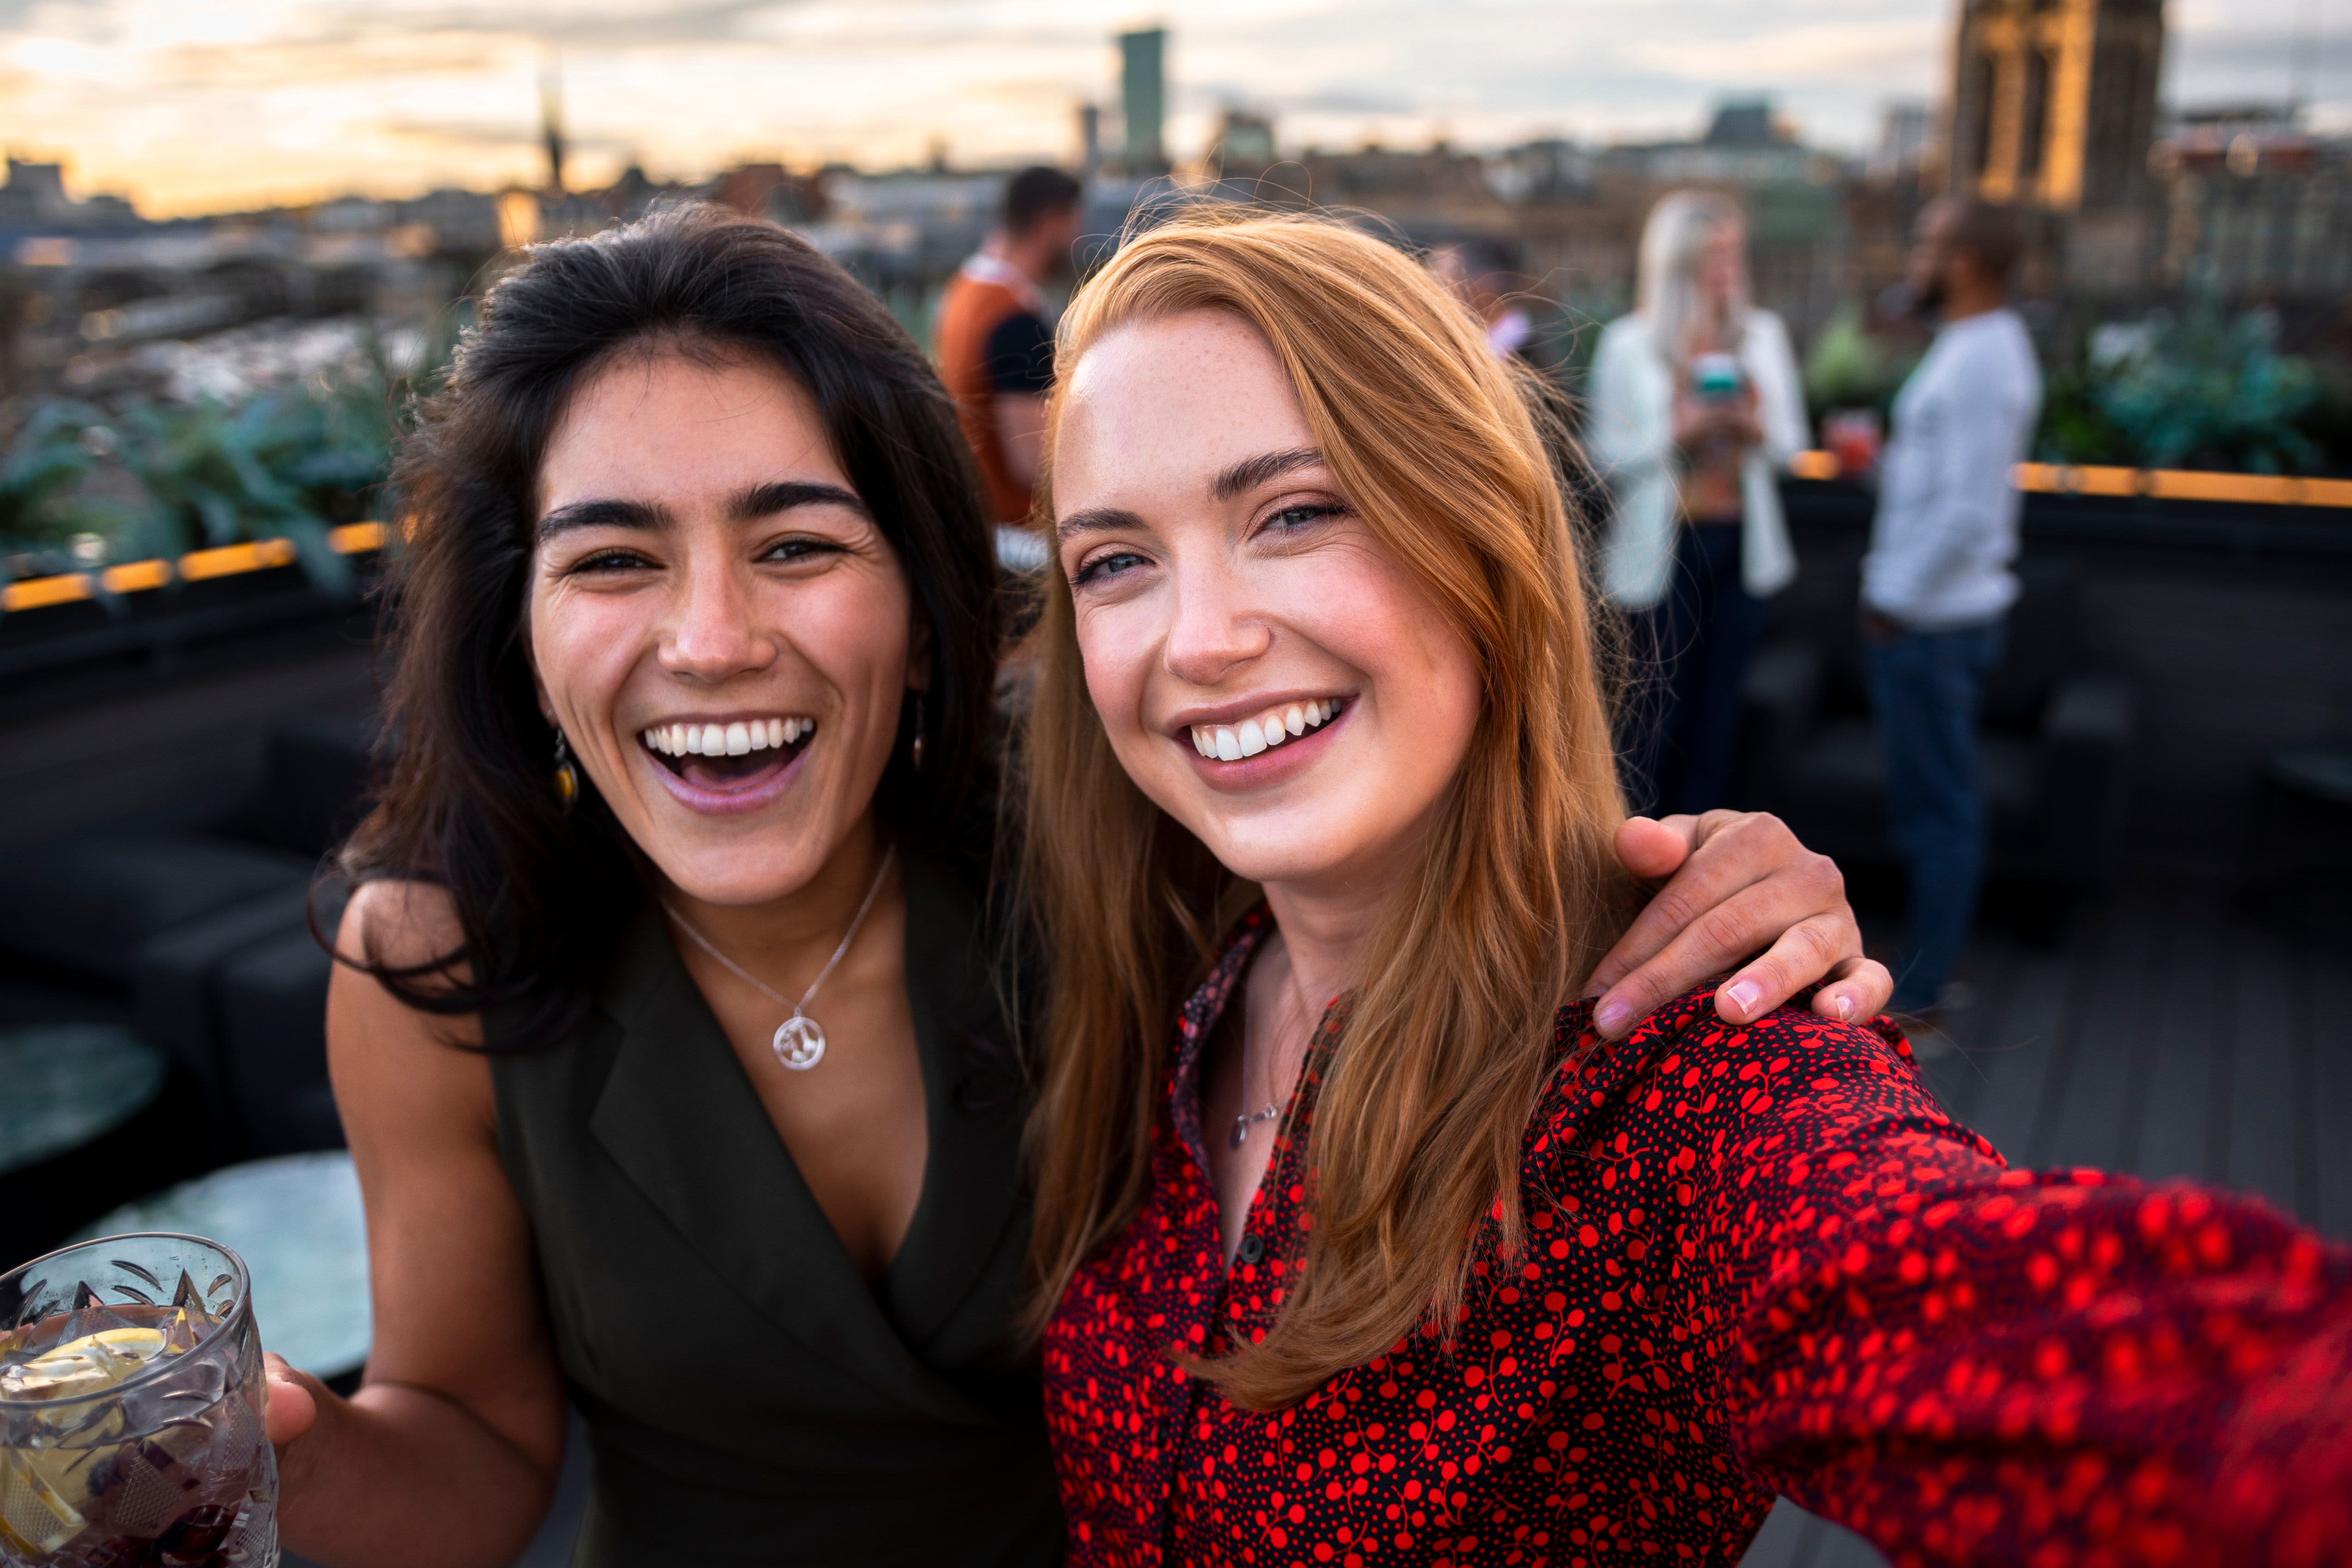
{"x":1759,"y":1260}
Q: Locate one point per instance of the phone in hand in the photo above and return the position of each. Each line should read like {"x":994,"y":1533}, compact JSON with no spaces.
{"x":1717,"y":378}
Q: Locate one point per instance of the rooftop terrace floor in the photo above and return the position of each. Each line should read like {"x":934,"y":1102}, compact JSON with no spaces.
{"x":2180,"y":1026}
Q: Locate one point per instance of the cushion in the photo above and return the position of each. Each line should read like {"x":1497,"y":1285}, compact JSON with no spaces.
{"x":89,"y":902}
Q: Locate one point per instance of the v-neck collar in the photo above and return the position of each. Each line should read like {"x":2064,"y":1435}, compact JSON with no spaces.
{"x":680,"y":1117}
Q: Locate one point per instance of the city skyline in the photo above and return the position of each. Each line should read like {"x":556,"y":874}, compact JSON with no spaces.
{"x":191,"y":106}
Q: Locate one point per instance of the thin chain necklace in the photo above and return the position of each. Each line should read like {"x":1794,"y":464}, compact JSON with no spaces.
{"x":1246,"y":1120}
{"x":799,"y":1041}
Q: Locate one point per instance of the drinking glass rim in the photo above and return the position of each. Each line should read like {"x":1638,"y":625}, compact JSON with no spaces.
{"x":243,"y":1310}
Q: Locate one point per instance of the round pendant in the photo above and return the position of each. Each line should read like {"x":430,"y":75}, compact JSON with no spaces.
{"x":800,"y":1042}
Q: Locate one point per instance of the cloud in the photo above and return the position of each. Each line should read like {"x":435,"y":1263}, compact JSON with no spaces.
{"x":1827,"y":51}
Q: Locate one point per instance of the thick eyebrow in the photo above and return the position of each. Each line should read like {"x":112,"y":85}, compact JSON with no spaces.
{"x":1251,"y":473}
{"x":602,"y":514}
{"x":784,"y":495}
{"x":1095,"y":520}
{"x":752,"y":501}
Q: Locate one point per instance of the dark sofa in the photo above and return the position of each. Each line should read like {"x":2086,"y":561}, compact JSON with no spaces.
{"x":2056,"y":737}
{"x":205,"y":929}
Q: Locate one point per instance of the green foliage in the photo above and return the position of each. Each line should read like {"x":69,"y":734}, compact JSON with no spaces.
{"x":1849,"y":368}
{"x":44,"y":501}
{"x":2197,"y":390}
{"x":156,"y":478}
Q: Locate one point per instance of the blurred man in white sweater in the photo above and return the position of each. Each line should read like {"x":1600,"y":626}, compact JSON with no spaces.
{"x":1936,"y":587}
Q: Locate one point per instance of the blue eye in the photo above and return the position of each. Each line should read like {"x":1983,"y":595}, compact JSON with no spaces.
{"x":1106,"y":565}
{"x":1307,"y":514}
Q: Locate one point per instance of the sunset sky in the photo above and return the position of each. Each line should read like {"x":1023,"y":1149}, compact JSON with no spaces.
{"x":204,"y":105}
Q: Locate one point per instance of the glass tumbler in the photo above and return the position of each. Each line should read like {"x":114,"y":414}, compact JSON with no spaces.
{"x":131,"y":1401}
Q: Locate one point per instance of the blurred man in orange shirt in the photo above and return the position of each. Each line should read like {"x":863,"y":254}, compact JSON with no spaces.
{"x":995,"y":346}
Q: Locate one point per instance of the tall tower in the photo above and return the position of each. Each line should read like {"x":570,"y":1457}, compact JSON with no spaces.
{"x":2053,"y":101}
{"x":1143,"y":90}
{"x":550,"y":122}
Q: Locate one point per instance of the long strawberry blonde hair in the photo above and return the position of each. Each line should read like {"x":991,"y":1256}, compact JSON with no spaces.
{"x":1416,"y":1134}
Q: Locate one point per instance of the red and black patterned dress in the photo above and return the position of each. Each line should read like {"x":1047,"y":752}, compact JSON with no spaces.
{"x":1759,"y":1260}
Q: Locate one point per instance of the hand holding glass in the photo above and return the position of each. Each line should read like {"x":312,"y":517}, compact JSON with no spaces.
{"x":131,"y":1410}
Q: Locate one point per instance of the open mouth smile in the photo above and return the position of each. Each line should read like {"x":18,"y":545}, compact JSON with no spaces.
{"x":728,"y":756}
{"x":1275,"y":727}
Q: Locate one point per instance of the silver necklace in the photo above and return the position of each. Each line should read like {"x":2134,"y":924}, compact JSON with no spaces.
{"x":799,"y":1042}
{"x":1244,"y":1119}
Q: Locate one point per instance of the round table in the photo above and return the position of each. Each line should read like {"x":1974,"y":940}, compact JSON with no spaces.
{"x":296,"y":1222}
{"x":68,"y":1084}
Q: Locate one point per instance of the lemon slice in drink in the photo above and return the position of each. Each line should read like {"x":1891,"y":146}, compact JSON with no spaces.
{"x":89,"y":1364}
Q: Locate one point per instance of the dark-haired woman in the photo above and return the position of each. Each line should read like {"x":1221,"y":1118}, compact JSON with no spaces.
{"x":676,"y":1080}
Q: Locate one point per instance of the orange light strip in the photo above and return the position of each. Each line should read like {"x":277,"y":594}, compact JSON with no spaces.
{"x":2163,"y":484}
{"x":196,"y":566}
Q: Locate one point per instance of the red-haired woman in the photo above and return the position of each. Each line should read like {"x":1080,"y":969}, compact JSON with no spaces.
{"x":1364,"y":1246}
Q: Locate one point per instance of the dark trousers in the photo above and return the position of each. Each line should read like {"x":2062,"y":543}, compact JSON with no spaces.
{"x":1925,"y":687}
{"x":1690,"y":654}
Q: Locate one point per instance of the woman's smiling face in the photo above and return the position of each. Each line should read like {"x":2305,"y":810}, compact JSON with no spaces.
{"x":717,"y":624}
{"x":1268,"y":673}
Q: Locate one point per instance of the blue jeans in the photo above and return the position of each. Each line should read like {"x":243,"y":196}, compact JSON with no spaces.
{"x":1925,"y":687}
{"x":1691,"y":653}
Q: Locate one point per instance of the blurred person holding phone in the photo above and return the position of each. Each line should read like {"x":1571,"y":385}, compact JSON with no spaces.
{"x":1696,"y":409}
{"x":994,"y":342}
{"x":1936,"y":586}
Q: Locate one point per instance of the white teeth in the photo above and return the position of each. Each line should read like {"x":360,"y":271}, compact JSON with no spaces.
{"x":725,"y":740}
{"x":1251,"y":736}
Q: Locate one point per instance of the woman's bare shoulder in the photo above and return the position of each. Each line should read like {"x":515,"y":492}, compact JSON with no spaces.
{"x":397,"y":930}
{"x":399,"y":923}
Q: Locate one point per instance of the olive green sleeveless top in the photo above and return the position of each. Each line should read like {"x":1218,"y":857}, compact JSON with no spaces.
{"x":748,"y":1397}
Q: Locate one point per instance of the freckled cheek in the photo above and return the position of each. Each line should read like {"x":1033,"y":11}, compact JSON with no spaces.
{"x":1115,"y":643}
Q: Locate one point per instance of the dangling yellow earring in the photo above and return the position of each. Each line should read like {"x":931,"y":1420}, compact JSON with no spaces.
{"x":567,"y":777}
{"x":916,"y":751}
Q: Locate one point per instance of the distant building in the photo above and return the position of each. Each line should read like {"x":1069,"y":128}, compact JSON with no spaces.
{"x":2053,"y":101}
{"x":2254,"y":206}
{"x":1904,"y":132}
{"x":1143,"y":99}
{"x":34,"y":200}
{"x":1243,"y":144}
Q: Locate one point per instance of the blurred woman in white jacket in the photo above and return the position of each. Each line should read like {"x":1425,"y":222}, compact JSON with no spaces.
{"x":1695,"y":411}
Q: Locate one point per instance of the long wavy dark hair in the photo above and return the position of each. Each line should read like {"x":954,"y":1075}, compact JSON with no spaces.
{"x":466,"y":797}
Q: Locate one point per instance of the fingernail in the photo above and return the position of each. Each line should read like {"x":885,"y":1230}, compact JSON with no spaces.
{"x":1743,"y":994}
{"x":1843,"y":1008}
{"x":1612,"y":1016}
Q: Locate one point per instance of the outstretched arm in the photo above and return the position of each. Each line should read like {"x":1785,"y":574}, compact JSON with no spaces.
{"x":1737,"y":887}
{"x":1979,"y":1365}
